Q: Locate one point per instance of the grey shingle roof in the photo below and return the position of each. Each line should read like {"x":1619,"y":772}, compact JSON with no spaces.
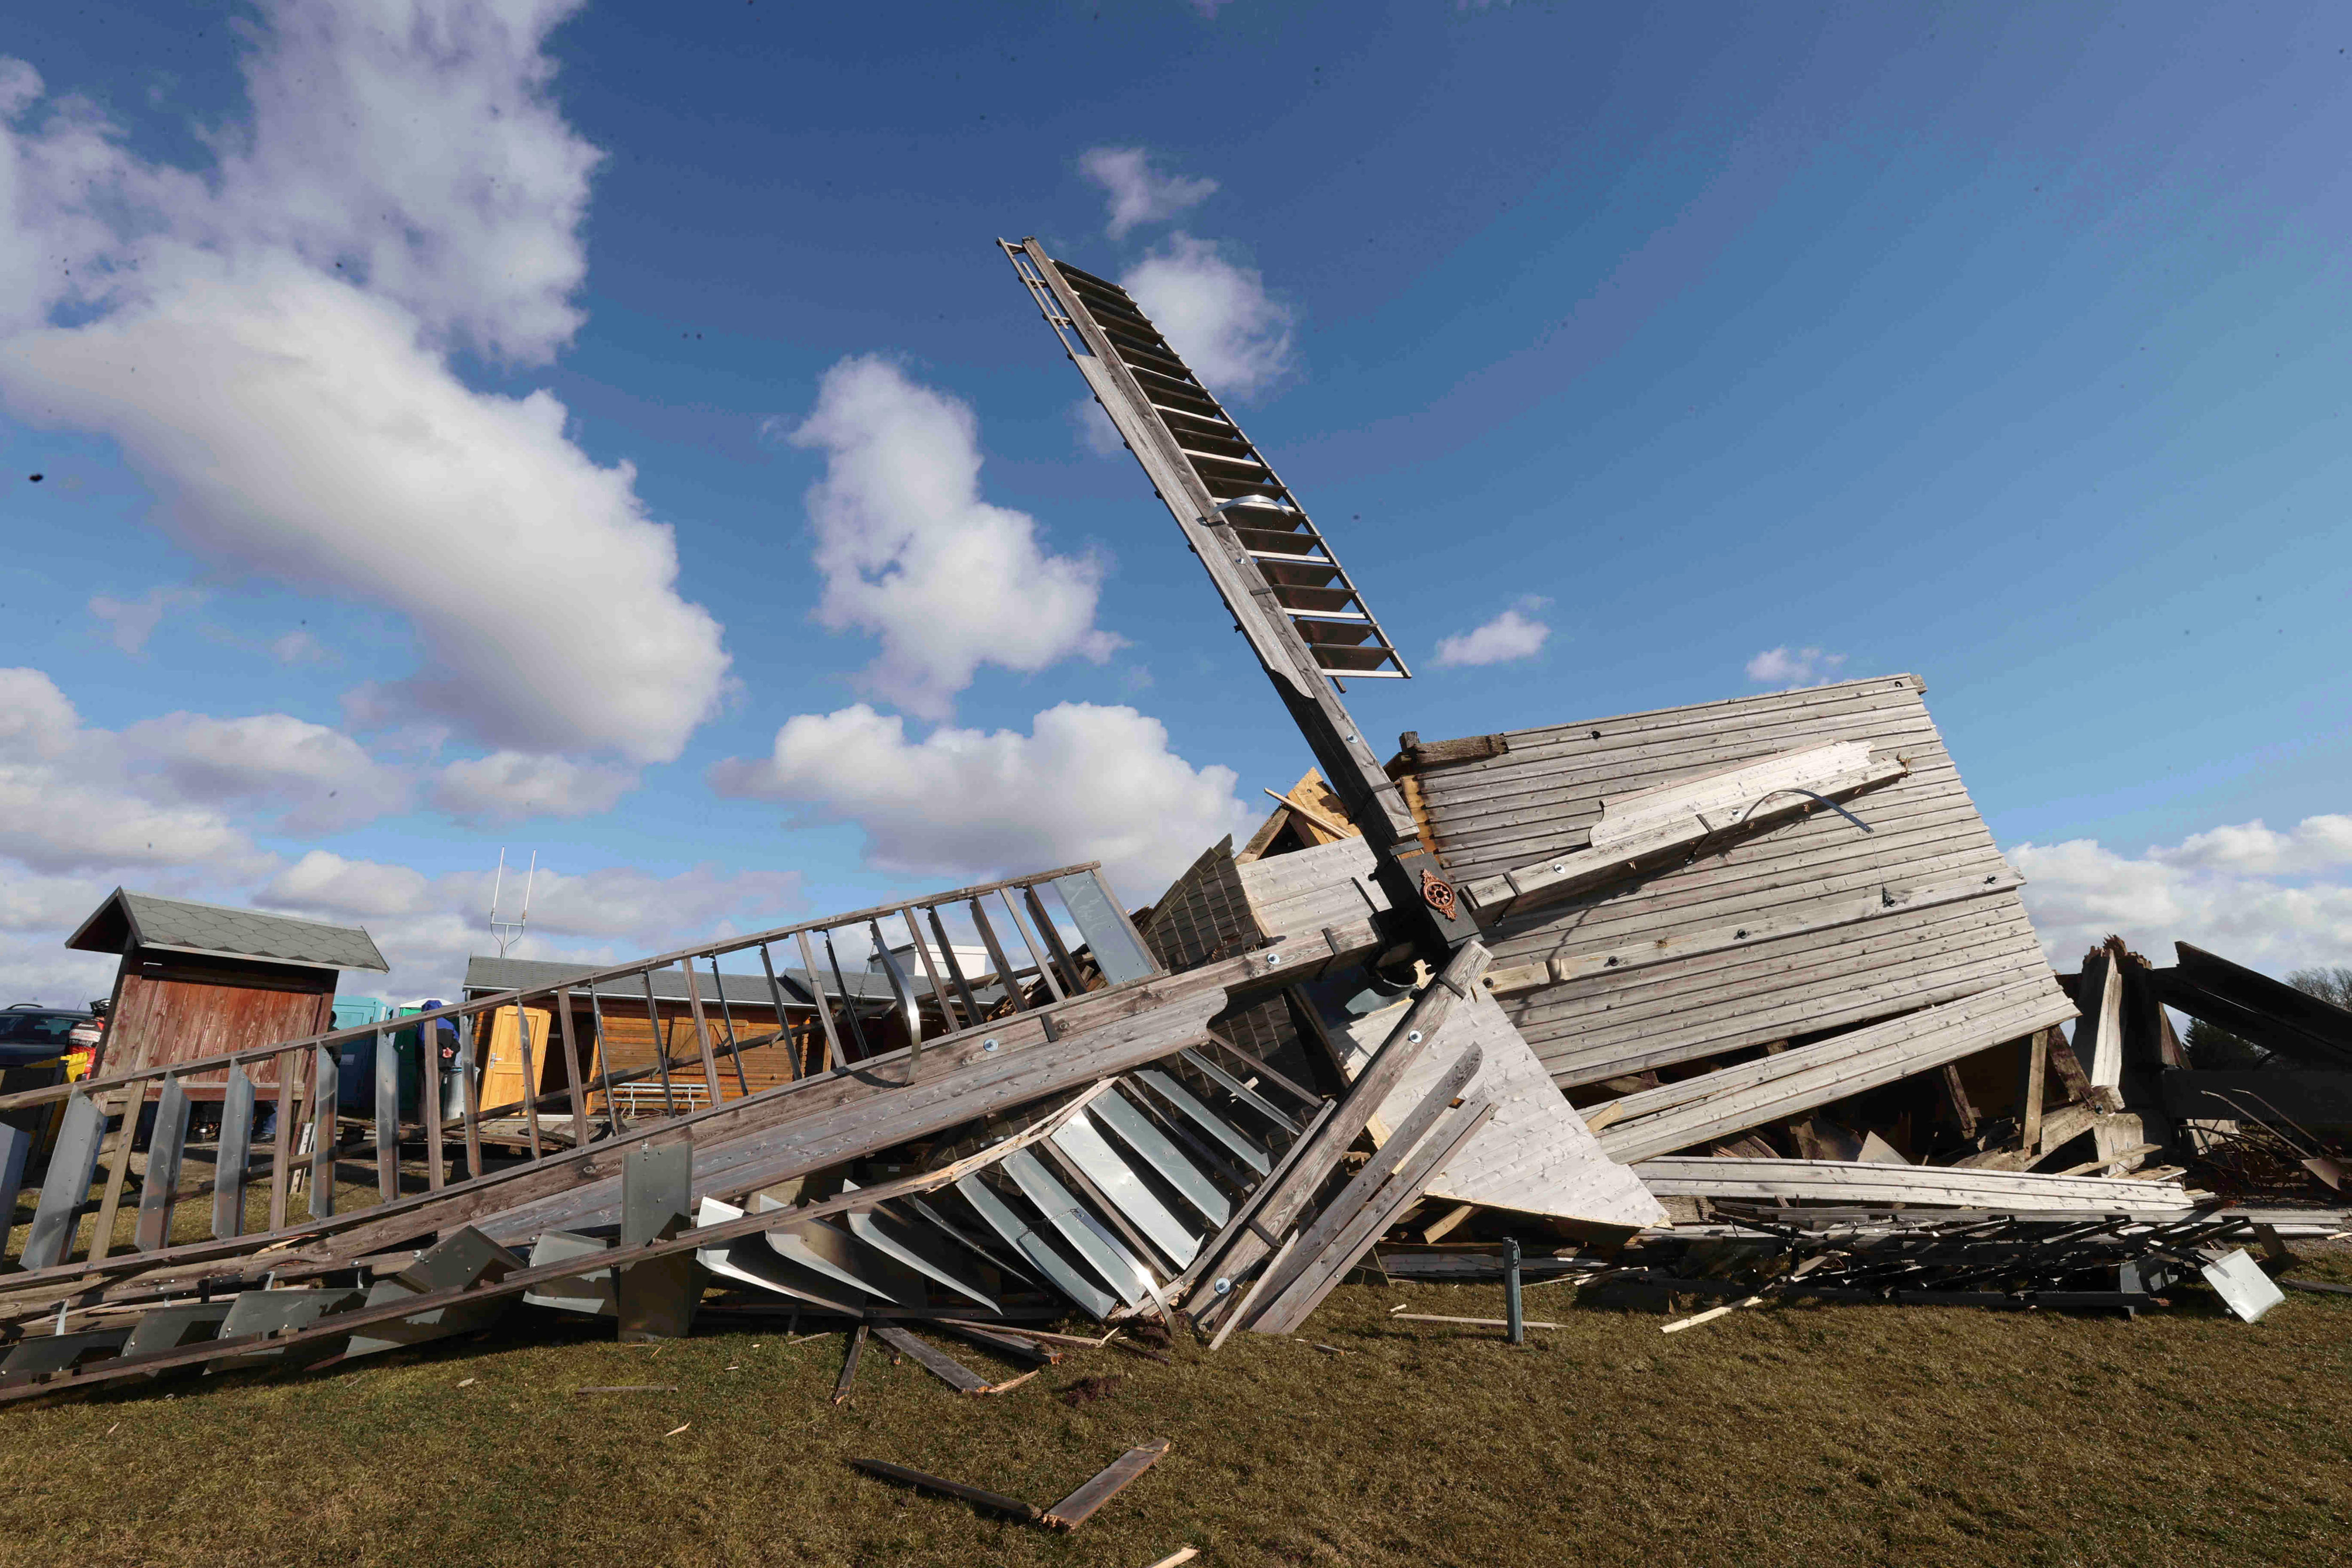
{"x":485,"y":974}
{"x":181,"y":926}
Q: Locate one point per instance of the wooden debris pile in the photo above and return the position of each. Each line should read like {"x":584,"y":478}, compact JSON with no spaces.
{"x":1737,"y":990}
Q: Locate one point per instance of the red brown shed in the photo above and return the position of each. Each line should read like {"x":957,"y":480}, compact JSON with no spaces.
{"x":200,"y":979}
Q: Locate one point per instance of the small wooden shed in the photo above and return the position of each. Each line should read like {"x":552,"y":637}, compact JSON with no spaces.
{"x":200,"y":979}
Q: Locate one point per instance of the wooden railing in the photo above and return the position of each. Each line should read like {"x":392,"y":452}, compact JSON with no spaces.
{"x":825,"y":1017}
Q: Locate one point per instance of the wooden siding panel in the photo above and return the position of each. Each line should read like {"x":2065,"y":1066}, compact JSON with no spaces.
{"x":1544,"y":793}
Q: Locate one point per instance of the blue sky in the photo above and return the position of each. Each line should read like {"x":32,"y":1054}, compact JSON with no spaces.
{"x":1733,"y":348}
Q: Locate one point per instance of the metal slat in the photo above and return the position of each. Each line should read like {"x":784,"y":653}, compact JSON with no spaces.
{"x":235,"y":1148}
{"x":1089,"y":1149}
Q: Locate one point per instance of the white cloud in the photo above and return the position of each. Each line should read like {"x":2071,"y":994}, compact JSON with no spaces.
{"x":158,"y":792}
{"x":1513,"y":634}
{"x":428,"y":926}
{"x":2316,"y":844}
{"x":298,"y":646}
{"x":911,"y":553}
{"x":326,"y":884}
{"x":319,"y":779}
{"x":1138,"y":193}
{"x":1086,"y":784}
{"x":37,"y":722}
{"x":1216,"y":313}
{"x":66,"y":805}
{"x":270,"y":347}
{"x":418,"y":138}
{"x":2274,"y":901}
{"x":131,"y":622}
{"x":1793,"y":667}
{"x":508,"y":786}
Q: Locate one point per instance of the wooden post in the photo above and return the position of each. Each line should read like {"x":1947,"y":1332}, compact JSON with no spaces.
{"x":823,"y":1007}
{"x":1957,"y":1092}
{"x":429,"y":1109}
{"x":2037,"y":1062}
{"x":783,"y":1027}
{"x":701,"y":1030}
{"x":469,"y":1085}
{"x":282,"y":1140}
{"x":996,"y":956}
{"x":661,"y":1043}
{"x":133,"y":1101}
{"x":571,"y":1071}
{"x":531,"y":1071}
{"x":604,"y":1063}
{"x":1036,"y":953}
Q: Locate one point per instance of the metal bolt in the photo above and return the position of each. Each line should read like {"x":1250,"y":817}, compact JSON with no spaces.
{"x":1272,"y":959}
{"x":1223,"y":1286}
{"x":1415,"y":1037}
{"x":988,"y":1044}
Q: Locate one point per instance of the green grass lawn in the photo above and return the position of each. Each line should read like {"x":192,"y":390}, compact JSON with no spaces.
{"x":1786,"y":1434}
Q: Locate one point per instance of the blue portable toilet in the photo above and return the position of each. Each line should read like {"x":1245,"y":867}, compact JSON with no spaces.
{"x":355,"y":1059}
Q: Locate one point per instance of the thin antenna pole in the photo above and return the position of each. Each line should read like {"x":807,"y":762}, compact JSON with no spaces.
{"x":497,"y":884}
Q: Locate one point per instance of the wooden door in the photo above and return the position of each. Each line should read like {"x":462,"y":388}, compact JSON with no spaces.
{"x":511,"y":1066}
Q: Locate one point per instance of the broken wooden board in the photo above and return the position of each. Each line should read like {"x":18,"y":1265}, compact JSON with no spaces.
{"x":1080,"y":1505}
{"x":1536,"y":1154}
{"x":1858,"y":1184}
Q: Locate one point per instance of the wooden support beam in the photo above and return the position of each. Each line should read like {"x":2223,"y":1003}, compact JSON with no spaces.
{"x":1393,"y":1197}
{"x":1955,"y":1095}
{"x":2032,"y":1088}
{"x":1287,"y":1196}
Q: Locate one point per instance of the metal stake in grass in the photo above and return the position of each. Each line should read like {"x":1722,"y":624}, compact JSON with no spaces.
{"x":1513,"y":1316}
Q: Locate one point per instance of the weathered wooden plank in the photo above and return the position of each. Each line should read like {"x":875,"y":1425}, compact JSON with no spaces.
{"x":1861,"y":1005}
{"x":936,"y":1361}
{"x":2265,"y":1011}
{"x":1012,"y":1507}
{"x":2098,"y":1038}
{"x":1797,"y":1081}
{"x":1437,"y":1097}
{"x":1806,"y":918}
{"x":841,"y":1386}
{"x":1647,"y":848}
{"x":1120,"y":1473}
{"x":1755,"y":876}
{"x":1727,"y":715}
{"x":2033,"y":1089}
{"x":1601,"y":768}
{"x":1286,"y":1196}
{"x":1864,"y":1184}
{"x":1387,"y":1204}
{"x":1736,"y":976}
{"x":1828,"y":983}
